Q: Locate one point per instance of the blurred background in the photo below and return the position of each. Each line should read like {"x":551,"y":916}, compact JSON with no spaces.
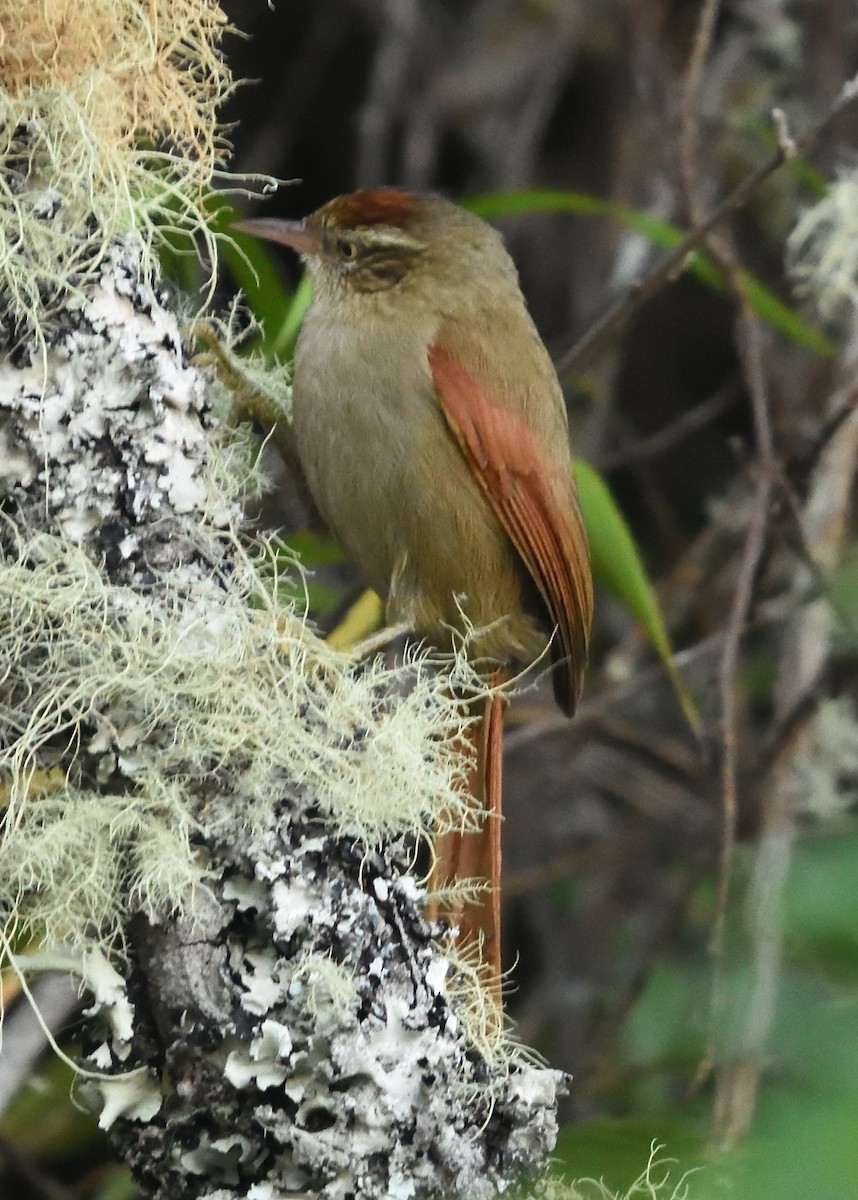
{"x":719,"y":1022}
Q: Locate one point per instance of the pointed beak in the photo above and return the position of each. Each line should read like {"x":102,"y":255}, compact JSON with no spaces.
{"x":295,"y":234}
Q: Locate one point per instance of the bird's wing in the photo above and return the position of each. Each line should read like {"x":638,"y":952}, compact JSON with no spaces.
{"x":537,"y":508}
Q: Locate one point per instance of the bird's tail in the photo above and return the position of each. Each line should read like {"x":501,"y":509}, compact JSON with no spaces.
{"x":476,"y":855}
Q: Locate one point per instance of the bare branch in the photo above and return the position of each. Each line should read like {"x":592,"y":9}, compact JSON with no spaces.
{"x":591,"y":345}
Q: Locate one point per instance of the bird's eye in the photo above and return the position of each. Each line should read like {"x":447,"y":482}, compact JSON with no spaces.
{"x":348,"y":249}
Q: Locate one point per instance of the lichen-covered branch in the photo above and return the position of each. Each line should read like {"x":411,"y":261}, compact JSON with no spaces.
{"x":208,"y":816}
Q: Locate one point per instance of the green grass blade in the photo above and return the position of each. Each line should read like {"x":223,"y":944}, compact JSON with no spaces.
{"x":661,"y":233}
{"x":617,"y":566}
{"x":283,"y":342}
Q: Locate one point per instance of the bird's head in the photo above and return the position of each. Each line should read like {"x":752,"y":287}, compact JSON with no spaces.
{"x":375,"y":239}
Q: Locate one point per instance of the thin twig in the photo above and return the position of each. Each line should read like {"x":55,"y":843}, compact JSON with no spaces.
{"x":689,"y":125}
{"x":753,"y":371}
{"x":588,"y":347}
{"x":671,"y":435}
{"x":797,"y":698}
{"x":767,"y":470}
{"x":751,"y":358}
{"x":591,"y":711}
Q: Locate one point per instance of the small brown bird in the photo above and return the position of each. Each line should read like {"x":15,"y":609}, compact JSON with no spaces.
{"x":430,"y":425}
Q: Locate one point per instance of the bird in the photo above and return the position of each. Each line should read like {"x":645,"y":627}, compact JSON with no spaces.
{"x":432,"y":433}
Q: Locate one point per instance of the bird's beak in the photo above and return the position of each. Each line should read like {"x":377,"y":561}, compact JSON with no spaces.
{"x":296,"y":234}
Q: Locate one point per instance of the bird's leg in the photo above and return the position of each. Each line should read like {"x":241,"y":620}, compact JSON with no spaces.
{"x":249,"y":401}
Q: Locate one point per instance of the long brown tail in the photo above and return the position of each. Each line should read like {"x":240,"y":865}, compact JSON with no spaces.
{"x":461,"y":856}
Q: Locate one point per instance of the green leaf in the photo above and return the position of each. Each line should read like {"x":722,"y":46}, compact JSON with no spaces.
{"x":617,"y":566}
{"x":511,"y":204}
{"x":764,"y":302}
{"x":284,"y":338}
{"x":301,"y":588}
{"x":179,"y":261}
{"x":313,"y":549}
{"x":781,"y":317}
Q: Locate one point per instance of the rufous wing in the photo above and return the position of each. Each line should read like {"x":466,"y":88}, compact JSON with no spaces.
{"x":537,"y":509}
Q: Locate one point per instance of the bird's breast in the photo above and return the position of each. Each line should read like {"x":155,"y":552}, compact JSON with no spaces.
{"x":394,"y":487}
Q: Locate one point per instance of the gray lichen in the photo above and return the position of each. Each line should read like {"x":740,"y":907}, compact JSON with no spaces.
{"x":104,"y":425}
{"x":327,"y":1059}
